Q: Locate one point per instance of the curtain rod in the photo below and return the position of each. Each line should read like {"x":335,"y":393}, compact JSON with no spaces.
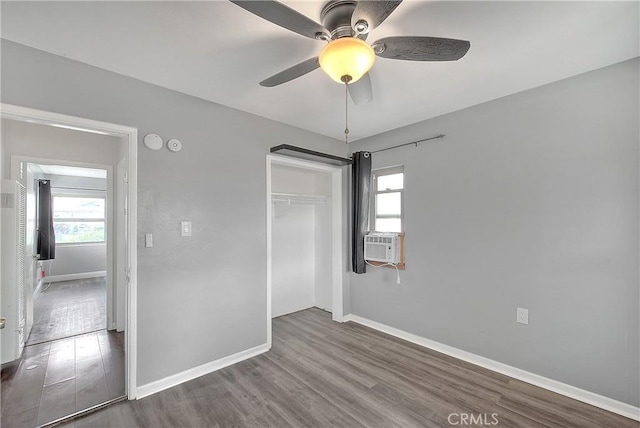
{"x":302,"y":152}
{"x":408,"y":144}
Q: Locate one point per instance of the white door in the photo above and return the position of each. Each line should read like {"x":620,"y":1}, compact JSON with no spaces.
{"x":13,"y":216}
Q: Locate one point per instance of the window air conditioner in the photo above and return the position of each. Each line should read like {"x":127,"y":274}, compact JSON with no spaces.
{"x":382,"y":247}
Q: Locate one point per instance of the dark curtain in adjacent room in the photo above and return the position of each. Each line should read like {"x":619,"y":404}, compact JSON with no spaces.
{"x":46,"y":236}
{"x":361,"y":184}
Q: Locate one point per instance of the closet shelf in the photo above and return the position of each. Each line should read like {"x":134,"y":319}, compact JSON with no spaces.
{"x":293,"y":198}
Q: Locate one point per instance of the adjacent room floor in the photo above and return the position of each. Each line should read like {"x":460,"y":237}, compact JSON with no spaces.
{"x":71,"y":363}
{"x":323,"y":374}
{"x":68,"y":308}
{"x":56,"y":379}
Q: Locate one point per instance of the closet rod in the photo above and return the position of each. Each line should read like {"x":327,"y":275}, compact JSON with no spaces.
{"x":408,"y":144}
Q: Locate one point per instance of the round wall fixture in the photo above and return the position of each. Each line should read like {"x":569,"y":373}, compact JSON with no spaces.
{"x":174,"y":145}
{"x":152,"y":141}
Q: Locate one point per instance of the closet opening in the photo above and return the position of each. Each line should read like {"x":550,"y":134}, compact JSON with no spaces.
{"x":305,"y":261}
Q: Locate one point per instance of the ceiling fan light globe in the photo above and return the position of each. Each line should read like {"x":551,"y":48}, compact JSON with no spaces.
{"x":346,"y":56}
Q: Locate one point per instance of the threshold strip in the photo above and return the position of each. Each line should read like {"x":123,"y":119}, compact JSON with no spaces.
{"x":83,"y":412}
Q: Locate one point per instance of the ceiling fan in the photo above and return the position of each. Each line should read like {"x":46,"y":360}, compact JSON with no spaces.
{"x":347,"y":58}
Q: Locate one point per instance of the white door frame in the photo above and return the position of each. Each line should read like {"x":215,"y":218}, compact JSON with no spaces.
{"x":336,"y":232}
{"x":130,"y":136}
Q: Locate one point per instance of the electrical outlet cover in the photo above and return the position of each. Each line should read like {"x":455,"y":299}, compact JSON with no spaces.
{"x":522,"y":315}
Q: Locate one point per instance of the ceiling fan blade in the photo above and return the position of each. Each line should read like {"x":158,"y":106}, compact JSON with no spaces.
{"x":360,"y":91}
{"x":421,"y":48}
{"x":291,"y":73}
{"x":283,"y":16}
{"x":373,"y":11}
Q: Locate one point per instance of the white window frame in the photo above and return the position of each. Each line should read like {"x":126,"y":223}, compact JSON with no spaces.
{"x":381,"y":172}
{"x":82,"y":194}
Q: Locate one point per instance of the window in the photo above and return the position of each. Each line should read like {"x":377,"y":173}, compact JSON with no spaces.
{"x":79,"y":219}
{"x":386,"y":210}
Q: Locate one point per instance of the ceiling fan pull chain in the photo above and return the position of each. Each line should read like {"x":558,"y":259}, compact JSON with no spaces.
{"x":346,"y":113}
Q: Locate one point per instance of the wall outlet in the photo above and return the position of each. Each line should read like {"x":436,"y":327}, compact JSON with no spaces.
{"x":522,"y":315}
{"x":148,"y":240}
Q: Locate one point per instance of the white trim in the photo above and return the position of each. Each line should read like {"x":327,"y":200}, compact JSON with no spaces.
{"x":269,"y":258}
{"x":131,"y":330}
{"x":79,"y":244}
{"x":111,"y":237}
{"x":375,"y":174}
{"x":72,"y":276}
{"x":337,"y":249}
{"x":130,"y":135}
{"x":187,"y":375}
{"x":570,"y":391}
{"x":337,"y":243}
{"x":26,"y":114}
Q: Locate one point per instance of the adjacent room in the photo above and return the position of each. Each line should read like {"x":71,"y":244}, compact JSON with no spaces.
{"x":320,"y":213}
{"x":72,"y":295}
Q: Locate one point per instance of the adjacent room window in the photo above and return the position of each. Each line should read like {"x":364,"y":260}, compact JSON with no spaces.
{"x":79,"y":219}
{"x":387,"y":200}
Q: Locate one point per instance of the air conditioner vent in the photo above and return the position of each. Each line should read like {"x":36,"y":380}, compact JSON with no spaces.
{"x":382,"y":247}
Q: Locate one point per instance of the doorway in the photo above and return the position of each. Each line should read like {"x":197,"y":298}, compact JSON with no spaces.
{"x":101,"y":269}
{"x":70,"y":297}
{"x":304,"y":237}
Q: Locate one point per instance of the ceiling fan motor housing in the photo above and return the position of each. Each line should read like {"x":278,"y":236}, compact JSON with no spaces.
{"x":336,"y":17}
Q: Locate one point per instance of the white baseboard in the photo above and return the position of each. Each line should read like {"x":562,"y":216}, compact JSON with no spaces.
{"x":187,"y":375}
{"x":72,"y":276}
{"x":570,"y":391}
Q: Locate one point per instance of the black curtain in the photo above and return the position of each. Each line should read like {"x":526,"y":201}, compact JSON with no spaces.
{"x":46,"y":236}
{"x":361,"y":184}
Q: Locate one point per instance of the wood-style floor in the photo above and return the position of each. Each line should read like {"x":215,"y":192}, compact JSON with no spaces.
{"x":56,"y":379}
{"x":62,"y":370}
{"x":324,"y":374}
{"x":68,"y":308}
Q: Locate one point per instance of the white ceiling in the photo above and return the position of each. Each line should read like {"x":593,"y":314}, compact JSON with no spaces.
{"x":217,"y":51}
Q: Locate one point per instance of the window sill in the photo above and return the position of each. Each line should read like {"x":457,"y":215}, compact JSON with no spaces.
{"x":400,"y":265}
{"x":79,"y":244}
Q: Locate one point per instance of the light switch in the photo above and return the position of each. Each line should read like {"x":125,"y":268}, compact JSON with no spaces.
{"x":148,"y":240}
{"x":185,"y":228}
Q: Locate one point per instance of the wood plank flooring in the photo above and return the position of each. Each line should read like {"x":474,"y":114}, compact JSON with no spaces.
{"x":56,"y":379}
{"x":324,"y":374}
{"x":68,"y":308}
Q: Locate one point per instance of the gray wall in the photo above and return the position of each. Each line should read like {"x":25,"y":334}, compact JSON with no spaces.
{"x":531,"y":200}
{"x":78,"y":258}
{"x":211,"y":286}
